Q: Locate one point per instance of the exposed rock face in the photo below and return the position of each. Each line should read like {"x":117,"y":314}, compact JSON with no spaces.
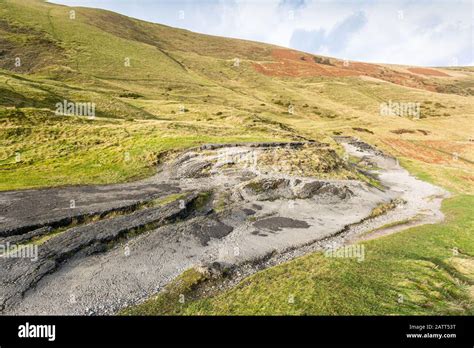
{"x":28,"y":210}
{"x":309,"y":189}
{"x":205,"y":229}
{"x":360,"y":145}
{"x":269,"y":189}
{"x":278,"y":223}
{"x":293,"y":145}
{"x":342,"y":192}
{"x":272,"y":189}
{"x":195,"y":170}
{"x":19,"y":274}
{"x":214,"y":205}
{"x":27,"y":236}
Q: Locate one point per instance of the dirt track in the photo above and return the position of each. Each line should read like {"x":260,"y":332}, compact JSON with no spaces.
{"x":101,"y":266}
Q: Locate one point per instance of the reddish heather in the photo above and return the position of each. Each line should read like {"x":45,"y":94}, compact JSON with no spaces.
{"x":436,"y":152}
{"x":428,"y":72}
{"x":290,"y":63}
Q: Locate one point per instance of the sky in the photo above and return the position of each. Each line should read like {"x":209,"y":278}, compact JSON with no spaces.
{"x":411,"y":32}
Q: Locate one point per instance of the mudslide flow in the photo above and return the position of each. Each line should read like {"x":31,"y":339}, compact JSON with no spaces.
{"x":241,"y":207}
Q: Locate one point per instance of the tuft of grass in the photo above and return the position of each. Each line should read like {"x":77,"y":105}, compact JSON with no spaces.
{"x":221,"y":202}
{"x":162,"y":201}
{"x":391,"y":224}
{"x":202,"y":200}
{"x":173,"y":298}
{"x":383,"y":208}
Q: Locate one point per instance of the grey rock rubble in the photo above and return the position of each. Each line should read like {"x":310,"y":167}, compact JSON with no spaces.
{"x":234,"y":215}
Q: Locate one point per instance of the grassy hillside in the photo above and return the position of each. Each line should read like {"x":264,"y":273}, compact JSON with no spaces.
{"x":157,"y":88}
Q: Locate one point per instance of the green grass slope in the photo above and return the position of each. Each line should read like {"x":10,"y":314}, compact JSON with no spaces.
{"x":141,"y":76}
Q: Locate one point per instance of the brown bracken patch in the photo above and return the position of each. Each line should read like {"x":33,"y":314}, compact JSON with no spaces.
{"x":364,"y":130}
{"x":403,"y":131}
{"x":428,"y":72}
{"x":418,"y":151}
{"x":291,"y":63}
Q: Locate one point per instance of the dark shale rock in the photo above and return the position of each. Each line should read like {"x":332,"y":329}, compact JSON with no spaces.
{"x":17,"y":275}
